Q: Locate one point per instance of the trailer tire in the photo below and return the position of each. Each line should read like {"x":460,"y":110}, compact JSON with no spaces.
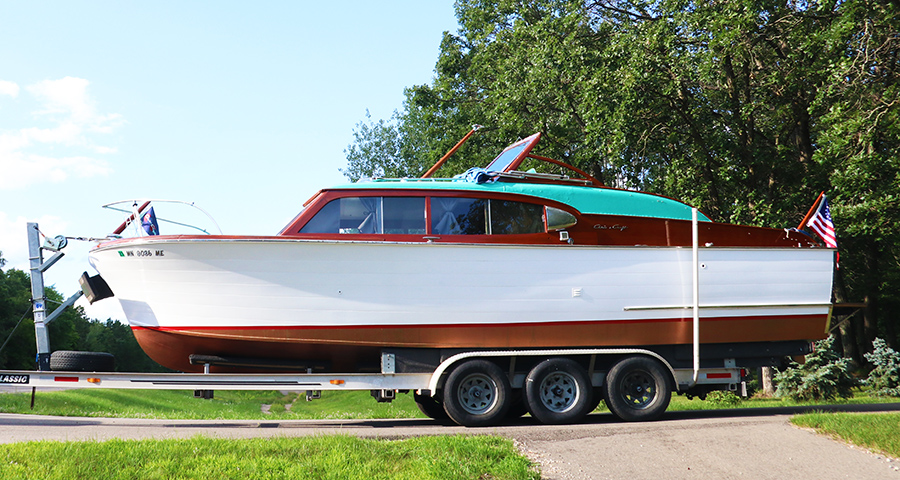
{"x":558,"y":391}
{"x":477,"y":394}
{"x":638,"y":389}
{"x":72,"y":361}
{"x":430,"y":406}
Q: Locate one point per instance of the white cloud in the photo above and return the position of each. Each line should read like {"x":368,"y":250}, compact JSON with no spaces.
{"x":67,"y":96}
{"x":21,"y":170}
{"x":14,"y":238}
{"x":106,"y":150}
{"x":74,"y":125}
{"x":9,"y":88}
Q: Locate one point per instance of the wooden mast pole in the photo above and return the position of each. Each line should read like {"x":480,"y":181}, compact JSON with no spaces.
{"x":809,"y":214}
{"x":453,"y":150}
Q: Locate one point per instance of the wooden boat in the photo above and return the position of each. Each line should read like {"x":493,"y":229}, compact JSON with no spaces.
{"x":511,"y":260}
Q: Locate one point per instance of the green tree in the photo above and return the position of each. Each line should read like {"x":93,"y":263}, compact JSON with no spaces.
{"x":16,"y":324}
{"x":859,"y":147}
{"x":117,"y":338}
{"x":747,"y":109}
{"x":824,"y":375}
{"x":70,"y":331}
{"x":884,"y":379}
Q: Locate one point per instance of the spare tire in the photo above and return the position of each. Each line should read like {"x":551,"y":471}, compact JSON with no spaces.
{"x":72,"y":361}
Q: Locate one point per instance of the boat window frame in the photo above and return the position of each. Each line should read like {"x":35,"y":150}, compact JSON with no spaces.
{"x":490,"y":208}
{"x":379,"y":215}
{"x":324,"y":197}
{"x":525,"y":145}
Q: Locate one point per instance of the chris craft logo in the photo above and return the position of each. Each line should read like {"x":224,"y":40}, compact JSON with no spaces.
{"x":617,"y":227}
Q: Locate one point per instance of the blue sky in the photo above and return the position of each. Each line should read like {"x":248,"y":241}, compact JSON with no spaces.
{"x":244,"y":108}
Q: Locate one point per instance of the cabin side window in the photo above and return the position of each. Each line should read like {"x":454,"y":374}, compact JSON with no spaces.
{"x":370,"y":215}
{"x":404,"y":215}
{"x":458,"y":216}
{"x":516,"y":217}
{"x":480,"y":216}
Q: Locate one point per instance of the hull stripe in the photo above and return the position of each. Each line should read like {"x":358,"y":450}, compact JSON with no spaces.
{"x":481,"y":325}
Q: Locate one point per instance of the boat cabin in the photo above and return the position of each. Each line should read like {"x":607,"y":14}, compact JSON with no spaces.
{"x":500,"y":204}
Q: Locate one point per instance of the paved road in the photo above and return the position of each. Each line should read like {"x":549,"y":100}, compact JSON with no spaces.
{"x":747,"y":443}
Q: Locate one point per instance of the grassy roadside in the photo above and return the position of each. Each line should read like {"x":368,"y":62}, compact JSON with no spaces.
{"x":226,"y":405}
{"x":236,"y":405}
{"x":327,"y":457}
{"x":879,"y":432}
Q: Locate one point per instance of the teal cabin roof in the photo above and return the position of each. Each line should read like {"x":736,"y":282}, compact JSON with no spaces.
{"x":591,"y":200}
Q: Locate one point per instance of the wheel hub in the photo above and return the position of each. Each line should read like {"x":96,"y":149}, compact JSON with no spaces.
{"x":638,"y":389}
{"x":559,"y":392}
{"x":477,"y":394}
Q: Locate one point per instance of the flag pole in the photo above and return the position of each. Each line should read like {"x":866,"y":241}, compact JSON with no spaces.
{"x":129,"y":219}
{"x":812,"y":209}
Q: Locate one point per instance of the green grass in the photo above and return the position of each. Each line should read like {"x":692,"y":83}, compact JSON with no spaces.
{"x":681,"y":403}
{"x":321,"y":457}
{"x":235,"y":405}
{"x":876,"y":431}
{"x":227,"y":405}
{"x":327,"y":457}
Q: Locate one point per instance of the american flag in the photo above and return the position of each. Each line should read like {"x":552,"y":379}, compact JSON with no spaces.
{"x":822,"y":224}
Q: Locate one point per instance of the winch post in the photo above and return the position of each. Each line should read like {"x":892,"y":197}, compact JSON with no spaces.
{"x":38,"y":300}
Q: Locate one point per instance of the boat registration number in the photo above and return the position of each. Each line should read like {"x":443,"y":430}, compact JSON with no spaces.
{"x":14,"y":379}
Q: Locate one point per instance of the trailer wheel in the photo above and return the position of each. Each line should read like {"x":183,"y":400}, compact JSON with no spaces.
{"x":430,"y":406}
{"x":477,"y":394}
{"x":638,"y":389}
{"x":558,"y":391}
{"x":71,"y":361}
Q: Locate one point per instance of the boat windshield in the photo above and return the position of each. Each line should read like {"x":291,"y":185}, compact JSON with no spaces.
{"x":513,"y":155}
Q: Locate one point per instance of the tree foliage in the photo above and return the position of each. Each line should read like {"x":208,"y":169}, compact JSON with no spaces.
{"x":824,"y":375}
{"x":747,"y":109}
{"x":70,"y":331}
{"x":884,"y":379}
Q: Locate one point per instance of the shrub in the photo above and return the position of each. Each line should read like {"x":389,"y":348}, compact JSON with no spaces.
{"x":884,"y":380}
{"x":823,"y":376}
{"x":721,"y":398}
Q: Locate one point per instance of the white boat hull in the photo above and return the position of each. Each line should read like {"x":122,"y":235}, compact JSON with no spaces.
{"x":289,"y":297}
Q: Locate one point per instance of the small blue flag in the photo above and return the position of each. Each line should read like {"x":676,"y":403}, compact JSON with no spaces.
{"x":148,"y":221}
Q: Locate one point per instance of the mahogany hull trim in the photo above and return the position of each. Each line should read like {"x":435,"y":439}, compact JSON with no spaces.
{"x":356,"y":348}
{"x":343,"y":301}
